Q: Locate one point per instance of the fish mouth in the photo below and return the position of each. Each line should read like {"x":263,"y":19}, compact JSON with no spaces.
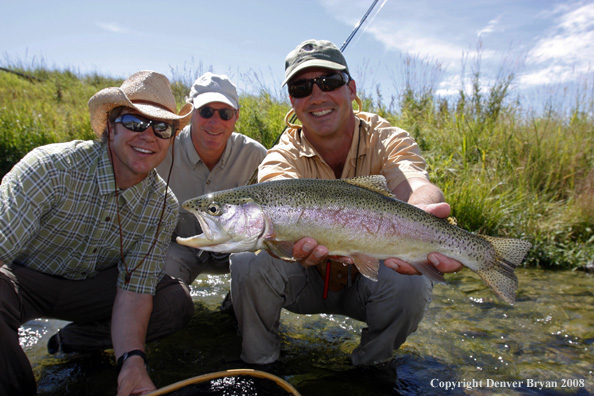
{"x":211,"y":229}
{"x":206,"y":225}
{"x":212,"y":235}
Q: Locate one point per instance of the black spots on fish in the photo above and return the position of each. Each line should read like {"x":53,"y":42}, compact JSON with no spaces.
{"x":510,"y":250}
{"x":501,"y":278}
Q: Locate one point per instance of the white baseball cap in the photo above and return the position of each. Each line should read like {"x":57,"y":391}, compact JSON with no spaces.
{"x":212,"y":87}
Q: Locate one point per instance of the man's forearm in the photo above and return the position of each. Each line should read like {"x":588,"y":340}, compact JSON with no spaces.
{"x":129,"y":323}
{"x":418,"y":190}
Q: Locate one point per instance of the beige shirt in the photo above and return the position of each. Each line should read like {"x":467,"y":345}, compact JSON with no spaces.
{"x":191,"y":177}
{"x":377,"y":149}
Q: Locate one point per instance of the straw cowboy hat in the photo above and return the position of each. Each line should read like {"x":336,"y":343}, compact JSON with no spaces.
{"x":147,"y":92}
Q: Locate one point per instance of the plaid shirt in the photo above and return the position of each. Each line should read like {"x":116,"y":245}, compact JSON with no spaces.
{"x":58,"y":215}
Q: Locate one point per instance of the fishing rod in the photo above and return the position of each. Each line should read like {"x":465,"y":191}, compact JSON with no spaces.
{"x":254,"y":177}
{"x":358,"y":25}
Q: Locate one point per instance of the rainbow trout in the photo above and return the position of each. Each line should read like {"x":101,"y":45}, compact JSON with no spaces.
{"x":357,"y":217}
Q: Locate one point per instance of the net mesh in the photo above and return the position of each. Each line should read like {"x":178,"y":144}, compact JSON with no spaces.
{"x":233,"y":386}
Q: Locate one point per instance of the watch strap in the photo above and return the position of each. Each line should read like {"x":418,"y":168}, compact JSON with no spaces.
{"x":126,"y":355}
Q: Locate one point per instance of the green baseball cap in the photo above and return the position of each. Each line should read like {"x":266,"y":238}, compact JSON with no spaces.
{"x":314,"y":53}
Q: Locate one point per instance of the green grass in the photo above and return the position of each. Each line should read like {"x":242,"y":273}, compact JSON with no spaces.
{"x":505,"y":171}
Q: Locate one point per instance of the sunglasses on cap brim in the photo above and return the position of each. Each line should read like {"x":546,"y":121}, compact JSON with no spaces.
{"x":136,"y":123}
{"x":302,"y":88}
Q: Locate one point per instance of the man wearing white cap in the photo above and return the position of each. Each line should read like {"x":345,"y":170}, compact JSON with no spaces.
{"x":85,"y":226}
{"x":207,"y":156}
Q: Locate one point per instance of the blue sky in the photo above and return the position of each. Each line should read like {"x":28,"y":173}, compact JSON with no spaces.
{"x":545,"y":43}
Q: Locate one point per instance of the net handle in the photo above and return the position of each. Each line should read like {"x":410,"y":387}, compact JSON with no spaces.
{"x":227,"y":373}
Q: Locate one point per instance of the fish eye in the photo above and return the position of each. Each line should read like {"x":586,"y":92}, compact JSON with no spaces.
{"x":214,"y":208}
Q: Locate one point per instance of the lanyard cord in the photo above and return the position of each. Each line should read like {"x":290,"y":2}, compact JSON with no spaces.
{"x":328,"y":262}
{"x":129,"y":272}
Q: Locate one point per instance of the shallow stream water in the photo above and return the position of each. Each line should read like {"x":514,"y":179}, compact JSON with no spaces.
{"x":468,"y":343}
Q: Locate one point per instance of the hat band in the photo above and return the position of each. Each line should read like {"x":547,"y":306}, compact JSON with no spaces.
{"x":159,"y":105}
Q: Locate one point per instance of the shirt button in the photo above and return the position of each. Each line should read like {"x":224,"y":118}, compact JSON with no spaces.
{"x":208,"y":181}
{"x":107,"y":218}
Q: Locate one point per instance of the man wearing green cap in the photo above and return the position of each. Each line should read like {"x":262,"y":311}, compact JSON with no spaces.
{"x":334,"y":142}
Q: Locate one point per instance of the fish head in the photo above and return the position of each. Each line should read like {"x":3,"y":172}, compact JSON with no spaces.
{"x":229,"y":223}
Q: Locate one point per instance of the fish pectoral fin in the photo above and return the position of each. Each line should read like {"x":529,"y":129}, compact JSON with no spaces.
{"x":429,"y":270}
{"x":281,"y":249}
{"x":367,"y":265}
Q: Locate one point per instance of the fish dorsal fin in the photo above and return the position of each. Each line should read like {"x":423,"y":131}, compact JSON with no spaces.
{"x":375,"y":183}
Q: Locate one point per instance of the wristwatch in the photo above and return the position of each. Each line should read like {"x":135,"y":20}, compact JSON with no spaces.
{"x":125,"y":356}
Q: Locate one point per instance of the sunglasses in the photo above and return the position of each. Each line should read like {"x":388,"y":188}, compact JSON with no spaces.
{"x":303,"y":88}
{"x":224,"y":114}
{"x":137,"y":123}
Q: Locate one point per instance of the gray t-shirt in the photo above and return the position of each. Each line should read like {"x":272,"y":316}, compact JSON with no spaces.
{"x":190,"y":177}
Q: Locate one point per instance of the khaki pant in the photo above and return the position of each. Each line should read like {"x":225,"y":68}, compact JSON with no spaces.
{"x":26,"y":294}
{"x":262,"y":285}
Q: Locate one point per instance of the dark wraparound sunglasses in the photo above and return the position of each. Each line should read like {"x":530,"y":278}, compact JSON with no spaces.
{"x":302,"y":88}
{"x":224,"y":114}
{"x":137,"y":123}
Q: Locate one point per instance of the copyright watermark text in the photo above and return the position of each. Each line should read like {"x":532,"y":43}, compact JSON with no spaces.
{"x":492,"y":383}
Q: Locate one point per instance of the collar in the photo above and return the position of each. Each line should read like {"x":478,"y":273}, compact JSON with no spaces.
{"x":359,"y":145}
{"x":106,"y":181}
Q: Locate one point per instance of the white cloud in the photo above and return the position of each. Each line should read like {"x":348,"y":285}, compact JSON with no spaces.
{"x":111,"y":27}
{"x":566,"y":52}
{"x":450,"y":86}
{"x":569,"y":43}
{"x":554,"y":74}
{"x":417,"y":44}
{"x":561,"y":53}
{"x":492,"y":26}
{"x":579,"y":20}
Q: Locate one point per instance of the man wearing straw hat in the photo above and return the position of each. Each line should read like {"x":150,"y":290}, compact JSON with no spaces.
{"x":335,"y":142}
{"x":85,"y":226}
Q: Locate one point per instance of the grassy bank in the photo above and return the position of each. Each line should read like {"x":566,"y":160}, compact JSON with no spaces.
{"x":505,"y":172}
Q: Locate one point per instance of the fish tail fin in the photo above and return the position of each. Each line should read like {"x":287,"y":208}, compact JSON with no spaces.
{"x":499,"y":275}
{"x":511,"y":250}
